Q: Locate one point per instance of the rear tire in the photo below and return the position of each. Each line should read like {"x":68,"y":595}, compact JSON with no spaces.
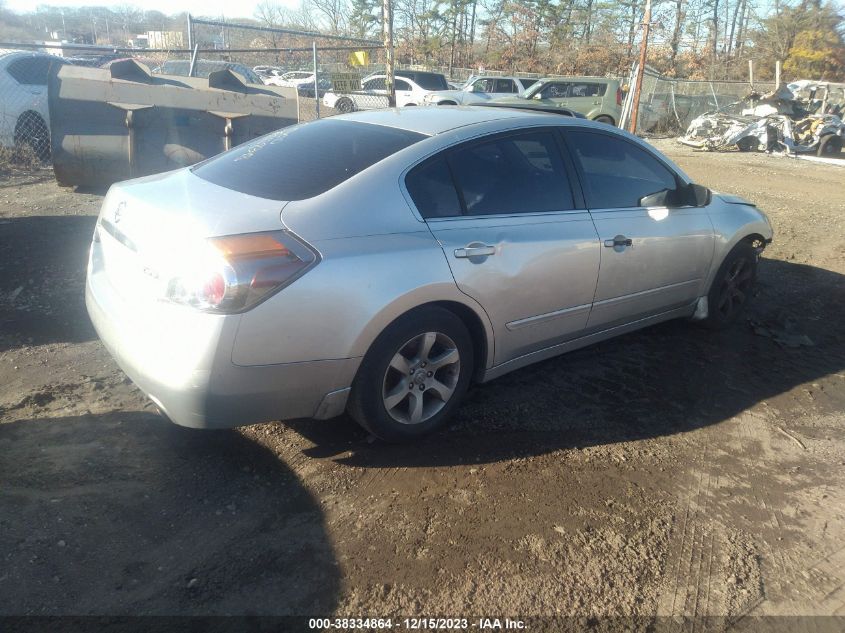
{"x":414,"y":375}
{"x":732,"y":286}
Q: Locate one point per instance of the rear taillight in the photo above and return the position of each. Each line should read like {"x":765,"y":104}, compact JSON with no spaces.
{"x":619,"y":96}
{"x":235,"y":272}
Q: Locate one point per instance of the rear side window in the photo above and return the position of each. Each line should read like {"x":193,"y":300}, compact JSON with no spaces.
{"x":521,"y":173}
{"x":402,"y":85}
{"x":31,"y":71}
{"x":617,"y":173}
{"x":587,"y":90}
{"x":433,"y":191}
{"x":304,"y":161}
{"x":505,"y":85}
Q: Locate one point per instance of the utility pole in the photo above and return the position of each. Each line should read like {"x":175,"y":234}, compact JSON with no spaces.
{"x":388,"y":53}
{"x":638,"y":84}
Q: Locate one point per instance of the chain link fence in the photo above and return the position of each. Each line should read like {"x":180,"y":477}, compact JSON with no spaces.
{"x":24,"y":116}
{"x":668,"y":106}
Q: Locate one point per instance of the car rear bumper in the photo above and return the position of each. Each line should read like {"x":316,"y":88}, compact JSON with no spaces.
{"x":182,"y":360}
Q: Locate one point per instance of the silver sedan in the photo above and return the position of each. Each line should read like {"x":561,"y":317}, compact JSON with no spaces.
{"x":379,"y":262}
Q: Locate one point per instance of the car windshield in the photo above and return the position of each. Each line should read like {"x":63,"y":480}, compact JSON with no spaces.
{"x":304,"y":161}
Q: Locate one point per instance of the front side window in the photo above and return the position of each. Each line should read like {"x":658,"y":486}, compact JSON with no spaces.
{"x":483,"y":85}
{"x":617,"y":173}
{"x":303,"y":161}
{"x":375,"y":84}
{"x":554,"y":90}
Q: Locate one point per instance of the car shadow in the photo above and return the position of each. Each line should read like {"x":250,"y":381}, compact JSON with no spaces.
{"x":124,"y":513}
{"x":664,"y":380}
{"x":42,"y":280}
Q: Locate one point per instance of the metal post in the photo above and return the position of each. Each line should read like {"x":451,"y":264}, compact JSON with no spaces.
{"x":751,"y":73}
{"x":193,"y":65}
{"x":316,"y":82}
{"x":388,"y":54}
{"x":190,"y":33}
{"x":635,"y":106}
{"x":777,"y":74}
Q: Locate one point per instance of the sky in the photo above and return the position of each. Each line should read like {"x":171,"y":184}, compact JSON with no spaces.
{"x":208,"y":8}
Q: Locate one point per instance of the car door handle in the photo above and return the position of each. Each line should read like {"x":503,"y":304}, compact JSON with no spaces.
{"x":475,"y":250}
{"x":619,"y":240}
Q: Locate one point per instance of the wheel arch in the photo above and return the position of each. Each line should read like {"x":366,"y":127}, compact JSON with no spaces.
{"x":473,"y":317}
{"x":29,"y":112}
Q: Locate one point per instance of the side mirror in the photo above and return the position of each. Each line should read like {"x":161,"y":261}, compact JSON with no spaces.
{"x":538,"y":96}
{"x":691,"y":195}
{"x":699,"y":195}
{"x":658,"y":199}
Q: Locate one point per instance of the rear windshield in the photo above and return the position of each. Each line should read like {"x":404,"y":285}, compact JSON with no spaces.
{"x":304,"y":161}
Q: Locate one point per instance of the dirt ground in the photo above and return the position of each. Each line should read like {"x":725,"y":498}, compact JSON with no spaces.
{"x":670,"y":472}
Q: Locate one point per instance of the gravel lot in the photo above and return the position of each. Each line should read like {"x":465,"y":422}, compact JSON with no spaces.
{"x":669,"y":472}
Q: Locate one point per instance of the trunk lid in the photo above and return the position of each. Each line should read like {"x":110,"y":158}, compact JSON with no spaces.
{"x":151,"y":228}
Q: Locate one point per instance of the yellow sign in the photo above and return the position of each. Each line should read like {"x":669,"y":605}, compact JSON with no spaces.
{"x":359,"y":58}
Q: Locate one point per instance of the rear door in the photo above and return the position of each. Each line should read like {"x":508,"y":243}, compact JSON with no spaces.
{"x":514,"y":234}
{"x":653,"y":259}
{"x":586,"y":97}
{"x":504,"y":87}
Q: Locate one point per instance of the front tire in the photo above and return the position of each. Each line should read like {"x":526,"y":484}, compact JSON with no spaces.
{"x":344,"y":106}
{"x":732,"y":286}
{"x":414,"y":376}
{"x":31,"y":130}
{"x":603,"y":118}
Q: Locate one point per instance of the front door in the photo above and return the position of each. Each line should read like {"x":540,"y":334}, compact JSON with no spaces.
{"x":502,"y":208}
{"x":653,"y":259}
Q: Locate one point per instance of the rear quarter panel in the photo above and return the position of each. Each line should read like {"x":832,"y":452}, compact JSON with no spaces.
{"x":337,"y":309}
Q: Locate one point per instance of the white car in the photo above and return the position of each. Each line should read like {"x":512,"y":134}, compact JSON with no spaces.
{"x":24,"y":117}
{"x":373,"y":95}
{"x":291,"y":79}
{"x":479,"y":89}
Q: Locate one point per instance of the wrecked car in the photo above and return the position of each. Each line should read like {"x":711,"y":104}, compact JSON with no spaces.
{"x":776,"y":122}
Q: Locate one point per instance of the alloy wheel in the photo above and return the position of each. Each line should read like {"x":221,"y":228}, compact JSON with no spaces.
{"x":735,"y":288}
{"x":421,"y":378}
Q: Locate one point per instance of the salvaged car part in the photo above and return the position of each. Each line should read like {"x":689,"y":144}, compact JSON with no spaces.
{"x":122,"y":122}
